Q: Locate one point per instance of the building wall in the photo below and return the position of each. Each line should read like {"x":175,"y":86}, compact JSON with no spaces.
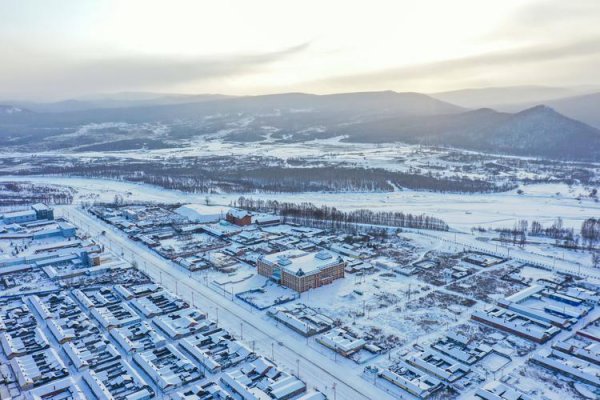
{"x":264,"y":269}
{"x":306,"y":282}
{"x":505,"y":328}
{"x":10,"y":219}
{"x":45,"y":214}
{"x":246,"y":220}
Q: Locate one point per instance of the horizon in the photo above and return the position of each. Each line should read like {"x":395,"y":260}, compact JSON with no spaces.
{"x":573,"y":91}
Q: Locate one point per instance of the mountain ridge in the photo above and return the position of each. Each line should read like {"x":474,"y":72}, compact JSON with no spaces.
{"x":375,"y":117}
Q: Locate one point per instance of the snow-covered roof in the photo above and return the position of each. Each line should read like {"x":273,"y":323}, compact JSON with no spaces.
{"x":239,"y":214}
{"x":296,"y":261}
{"x":202,"y":212}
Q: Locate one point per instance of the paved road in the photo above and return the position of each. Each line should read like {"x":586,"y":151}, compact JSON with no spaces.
{"x":338,"y":379}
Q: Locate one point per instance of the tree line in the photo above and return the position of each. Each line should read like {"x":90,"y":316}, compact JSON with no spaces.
{"x":588,"y":237}
{"x":240,"y":176}
{"x":20,"y":193}
{"x":331,"y":218}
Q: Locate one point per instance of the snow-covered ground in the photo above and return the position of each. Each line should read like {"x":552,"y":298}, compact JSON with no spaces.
{"x":409,"y":312}
{"x":542,"y":202}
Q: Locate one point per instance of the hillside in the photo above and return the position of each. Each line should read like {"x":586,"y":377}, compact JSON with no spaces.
{"x":244,"y":118}
{"x":500,"y":98}
{"x":10,"y":110}
{"x":584,"y":108}
{"x":578,"y":103}
{"x":117,"y":100}
{"x":377,"y":117}
{"x":539,"y":131}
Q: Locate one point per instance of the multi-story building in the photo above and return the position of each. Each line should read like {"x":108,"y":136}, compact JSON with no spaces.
{"x":302,"y":271}
{"x":42,"y":211}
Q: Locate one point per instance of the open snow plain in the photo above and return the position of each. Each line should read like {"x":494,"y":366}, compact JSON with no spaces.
{"x":543,"y":202}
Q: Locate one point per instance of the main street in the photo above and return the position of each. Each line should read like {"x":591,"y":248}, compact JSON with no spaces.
{"x":338,"y":378}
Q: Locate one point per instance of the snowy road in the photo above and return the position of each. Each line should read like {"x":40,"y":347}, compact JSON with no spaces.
{"x":338,"y":379}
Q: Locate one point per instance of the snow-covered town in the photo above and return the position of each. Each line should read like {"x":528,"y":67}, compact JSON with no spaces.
{"x":300,"y":200}
{"x":192,"y":301}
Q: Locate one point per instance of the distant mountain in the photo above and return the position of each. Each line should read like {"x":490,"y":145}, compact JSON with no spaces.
{"x":539,"y":131}
{"x":377,"y":117}
{"x":117,"y":100}
{"x":503,"y":98}
{"x":12,"y":110}
{"x":580,"y":103}
{"x":288,"y":116}
{"x":543,"y":131}
{"x":361,"y":103}
{"x":339,"y":107}
{"x":584,"y":108}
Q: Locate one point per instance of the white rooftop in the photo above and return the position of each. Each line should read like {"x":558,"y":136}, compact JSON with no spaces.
{"x":294,"y":261}
{"x":202,"y":213}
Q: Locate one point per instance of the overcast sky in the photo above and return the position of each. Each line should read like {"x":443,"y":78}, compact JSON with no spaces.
{"x":67,"y":48}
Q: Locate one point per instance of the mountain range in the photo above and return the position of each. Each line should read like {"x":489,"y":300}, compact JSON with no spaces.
{"x":376,"y":117}
{"x":581,"y":103}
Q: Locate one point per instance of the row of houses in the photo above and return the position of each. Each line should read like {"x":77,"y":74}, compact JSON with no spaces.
{"x":537,"y":313}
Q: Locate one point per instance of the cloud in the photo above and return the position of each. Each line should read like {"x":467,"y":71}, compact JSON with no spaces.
{"x":151,"y":70}
{"x":552,"y":13}
{"x":466,"y":68}
{"x":63,"y":76}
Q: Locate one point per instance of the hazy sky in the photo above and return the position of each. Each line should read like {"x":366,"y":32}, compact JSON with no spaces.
{"x":55,"y":49}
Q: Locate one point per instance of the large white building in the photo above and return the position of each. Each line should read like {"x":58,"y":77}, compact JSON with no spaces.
{"x":201,"y":213}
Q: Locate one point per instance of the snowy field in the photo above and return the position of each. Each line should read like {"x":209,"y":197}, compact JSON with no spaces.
{"x":542,"y":202}
{"x":332,"y":148}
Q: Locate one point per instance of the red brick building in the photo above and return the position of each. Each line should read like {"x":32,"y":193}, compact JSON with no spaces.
{"x":301,"y":271}
{"x":239,"y":217}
